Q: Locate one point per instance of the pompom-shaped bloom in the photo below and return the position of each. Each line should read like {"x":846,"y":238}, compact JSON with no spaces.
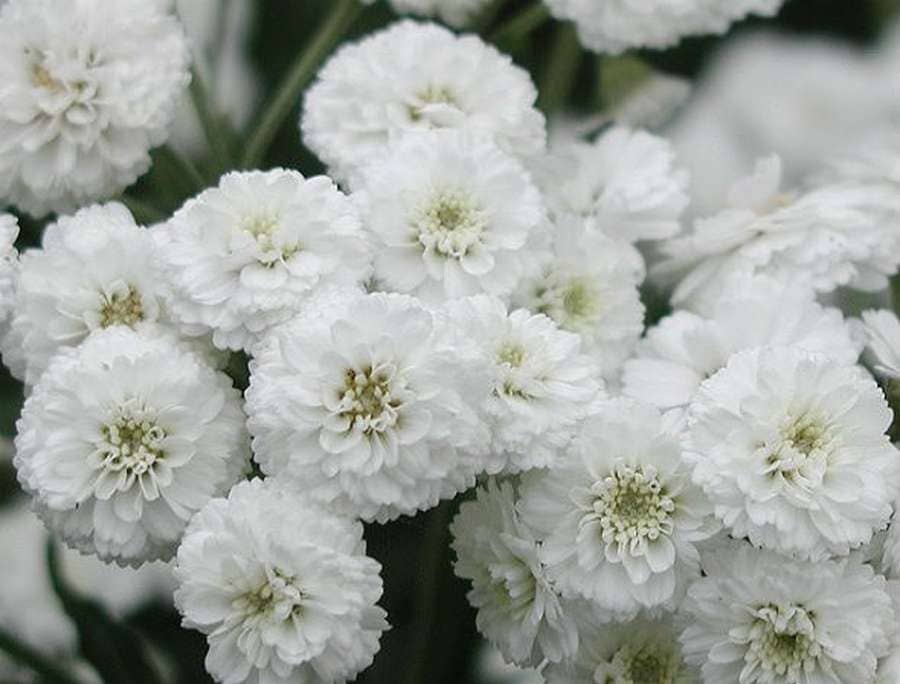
{"x":684,"y":349}
{"x":282,"y":588}
{"x":790,"y":448}
{"x":590,"y":287}
{"x":123,"y":439}
{"x":828,"y":236}
{"x":614,"y":26}
{"x":94,"y":270}
{"x":758,"y":618}
{"x":625,"y":183}
{"x":417,"y":76}
{"x":883,"y":333}
{"x":541,"y":383}
{"x":244,"y":256}
{"x":518,"y":608}
{"x":641,"y":650}
{"x":368,"y":406}
{"x":88,"y":88}
{"x":9,"y":264}
{"x":452,"y":215}
{"x":620,"y":516}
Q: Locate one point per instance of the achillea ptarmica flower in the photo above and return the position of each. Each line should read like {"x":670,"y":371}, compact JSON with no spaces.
{"x":245,"y":255}
{"x":828,"y":236}
{"x":94,"y":270}
{"x":790,"y":448}
{"x":124,"y":438}
{"x":9,"y":264}
{"x":684,"y":349}
{"x":625,"y":183}
{"x":633,"y":652}
{"x":89,"y":88}
{"x":589,"y":287}
{"x":366,"y":404}
{"x":541,"y":382}
{"x":519,"y":611}
{"x":759,"y":618}
{"x":452,"y":215}
{"x":619,"y":517}
{"x":883,"y":332}
{"x":614,"y":26}
{"x":415,"y":76}
{"x":282,"y":588}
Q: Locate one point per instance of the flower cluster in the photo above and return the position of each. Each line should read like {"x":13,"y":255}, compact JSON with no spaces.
{"x":454,"y":308}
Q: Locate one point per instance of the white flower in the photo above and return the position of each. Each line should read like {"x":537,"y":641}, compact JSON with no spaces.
{"x":123,"y":439}
{"x":889,"y":665}
{"x":518,"y":608}
{"x":452,"y":215}
{"x":94,"y":270}
{"x":684,"y":349}
{"x":365,"y":404}
{"x":417,"y":76}
{"x":614,"y":26}
{"x":790,"y":448}
{"x":89,"y":88}
{"x":541,"y":383}
{"x":244,"y":256}
{"x":642,"y":650}
{"x":590,"y":287}
{"x":282,"y":588}
{"x":625,"y":183}
{"x":619,"y":517}
{"x":759,"y":618}
{"x":829,"y":236}
{"x":9,"y":264}
{"x":883,"y":332}
{"x":453,"y":12}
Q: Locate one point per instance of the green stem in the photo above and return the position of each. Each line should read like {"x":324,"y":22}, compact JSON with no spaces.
{"x":895,"y":293}
{"x":343,"y":13}
{"x":430,"y":566}
{"x":521,"y":24}
{"x":561,"y":69}
{"x":218,"y":137}
{"x":185,"y":168}
{"x":34,"y":661}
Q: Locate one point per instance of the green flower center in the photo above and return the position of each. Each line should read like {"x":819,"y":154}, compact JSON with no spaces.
{"x":121,"y":308}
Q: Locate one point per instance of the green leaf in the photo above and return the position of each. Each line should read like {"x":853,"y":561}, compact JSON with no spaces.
{"x":116,"y":651}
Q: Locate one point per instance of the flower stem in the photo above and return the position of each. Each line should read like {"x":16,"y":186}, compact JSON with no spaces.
{"x":343,"y":13}
{"x":217,"y":133}
{"x":434,"y":548}
{"x":521,"y":24}
{"x":143,"y":212}
{"x":561,"y":69}
{"x":24,"y":654}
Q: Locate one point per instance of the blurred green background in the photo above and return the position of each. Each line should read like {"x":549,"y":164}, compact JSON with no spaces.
{"x":433,"y":638}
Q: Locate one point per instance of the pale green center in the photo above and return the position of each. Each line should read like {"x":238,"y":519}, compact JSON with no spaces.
{"x":632,"y":505}
{"x":782,"y":643}
{"x":449,"y":224}
{"x":131,"y":444}
{"x":646,"y":664}
{"x":366,"y":401}
{"x":263,"y":228}
{"x":429,"y":96}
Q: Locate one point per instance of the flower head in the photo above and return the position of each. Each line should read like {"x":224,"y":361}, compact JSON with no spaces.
{"x":452,"y":215}
{"x":619,"y":517}
{"x":758,"y":618}
{"x":784,"y":442}
{"x":94,"y":270}
{"x":367,"y":405}
{"x":281,"y":587}
{"x":245,"y":255}
{"x":518,"y":608}
{"x":9,"y":264}
{"x":89,"y":88}
{"x":541,"y":382}
{"x":414,"y":76}
{"x":590,"y":287}
{"x":124,"y":438}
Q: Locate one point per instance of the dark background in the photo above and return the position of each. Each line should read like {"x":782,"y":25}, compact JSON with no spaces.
{"x":433,"y":637}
